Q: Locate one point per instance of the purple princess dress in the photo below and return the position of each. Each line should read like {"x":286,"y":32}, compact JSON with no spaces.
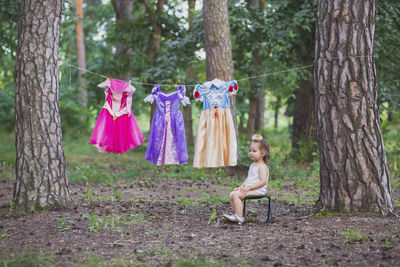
{"x":167,"y":141}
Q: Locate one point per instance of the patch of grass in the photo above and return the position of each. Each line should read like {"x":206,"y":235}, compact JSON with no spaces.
{"x":4,"y":233}
{"x":93,"y":260}
{"x":323,"y":214}
{"x":7,"y":147}
{"x":352,"y":236}
{"x":278,"y":184}
{"x":190,"y":189}
{"x":214,"y":199}
{"x":385,"y":239}
{"x":63,"y":224}
{"x":289,"y":198}
{"x":129,"y":219}
{"x":95,"y":222}
{"x":161,"y":251}
{"x":186,"y":202}
{"x":198,"y":262}
{"x":32,"y":259}
{"x":176,"y":235}
{"x":7,"y":171}
{"x":116,"y":194}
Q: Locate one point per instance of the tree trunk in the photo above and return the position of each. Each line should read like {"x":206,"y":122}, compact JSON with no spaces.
{"x":155,"y":41}
{"x":277,"y":107}
{"x":187,"y":110}
{"x":80,"y":48}
{"x":218,"y":46}
{"x":123,"y":13}
{"x":40,"y":168}
{"x":353,"y":168}
{"x":251,"y":122}
{"x":260,"y":123}
{"x":303,"y":130}
{"x":242,"y":130}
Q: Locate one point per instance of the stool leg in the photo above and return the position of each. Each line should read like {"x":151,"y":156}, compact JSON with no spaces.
{"x":244,"y":207}
{"x":269,"y":218}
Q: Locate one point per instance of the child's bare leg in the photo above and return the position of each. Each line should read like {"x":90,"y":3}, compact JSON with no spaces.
{"x":237,"y":204}
{"x":231,"y":199}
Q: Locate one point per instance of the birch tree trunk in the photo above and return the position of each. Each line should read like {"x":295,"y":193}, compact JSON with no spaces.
{"x":218,"y":46}
{"x":80,"y":48}
{"x":41,"y":174}
{"x":353,"y":168}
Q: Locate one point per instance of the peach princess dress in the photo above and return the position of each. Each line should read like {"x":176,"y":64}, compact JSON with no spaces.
{"x":216,"y":137}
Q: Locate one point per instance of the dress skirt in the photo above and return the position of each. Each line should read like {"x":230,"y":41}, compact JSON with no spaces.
{"x":216,"y":143}
{"x":116,"y":136}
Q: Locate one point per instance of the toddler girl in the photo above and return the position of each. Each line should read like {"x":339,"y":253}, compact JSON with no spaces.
{"x":257,"y":178}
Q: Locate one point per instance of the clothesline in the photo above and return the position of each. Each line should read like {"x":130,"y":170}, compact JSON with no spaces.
{"x":248,"y":78}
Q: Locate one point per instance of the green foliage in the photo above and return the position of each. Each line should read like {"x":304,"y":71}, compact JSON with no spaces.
{"x":11,"y":210}
{"x":95,"y":222}
{"x":116,"y":193}
{"x":4,"y":234}
{"x":6,"y":171}
{"x":214,"y":215}
{"x":63,"y":224}
{"x":186,"y":202}
{"x":352,"y":236}
{"x":385,"y":239}
{"x":9,"y":15}
{"x":387,"y":36}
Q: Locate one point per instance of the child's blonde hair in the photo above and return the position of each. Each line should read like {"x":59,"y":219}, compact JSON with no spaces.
{"x":264,"y":146}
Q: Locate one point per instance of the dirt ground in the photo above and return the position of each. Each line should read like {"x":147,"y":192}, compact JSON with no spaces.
{"x":159,"y":223}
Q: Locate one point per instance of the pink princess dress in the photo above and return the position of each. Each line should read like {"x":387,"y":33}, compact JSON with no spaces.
{"x":116,"y":129}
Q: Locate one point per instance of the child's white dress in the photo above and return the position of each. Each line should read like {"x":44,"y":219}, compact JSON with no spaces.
{"x":253,"y":178}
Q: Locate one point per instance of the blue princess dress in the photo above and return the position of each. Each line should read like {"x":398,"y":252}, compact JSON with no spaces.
{"x":216,"y":143}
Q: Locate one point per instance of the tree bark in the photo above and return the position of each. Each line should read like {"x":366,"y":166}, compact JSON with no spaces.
{"x":80,"y":48}
{"x":251,"y":122}
{"x":260,"y":123}
{"x":276,"y":113}
{"x":123,"y":13}
{"x":41,"y":174}
{"x":303,"y":130}
{"x":187,"y":110}
{"x":257,"y":92}
{"x":155,"y":41}
{"x":218,"y":46}
{"x":353,"y":168}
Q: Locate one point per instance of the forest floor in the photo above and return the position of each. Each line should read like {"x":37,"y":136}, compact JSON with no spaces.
{"x":178,"y":222}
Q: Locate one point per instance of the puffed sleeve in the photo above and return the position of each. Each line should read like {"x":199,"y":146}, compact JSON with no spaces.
{"x":198,"y":92}
{"x":105,"y":84}
{"x":231,"y":87}
{"x":154,"y":92}
{"x":131,"y":89}
{"x":181,"y":92}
